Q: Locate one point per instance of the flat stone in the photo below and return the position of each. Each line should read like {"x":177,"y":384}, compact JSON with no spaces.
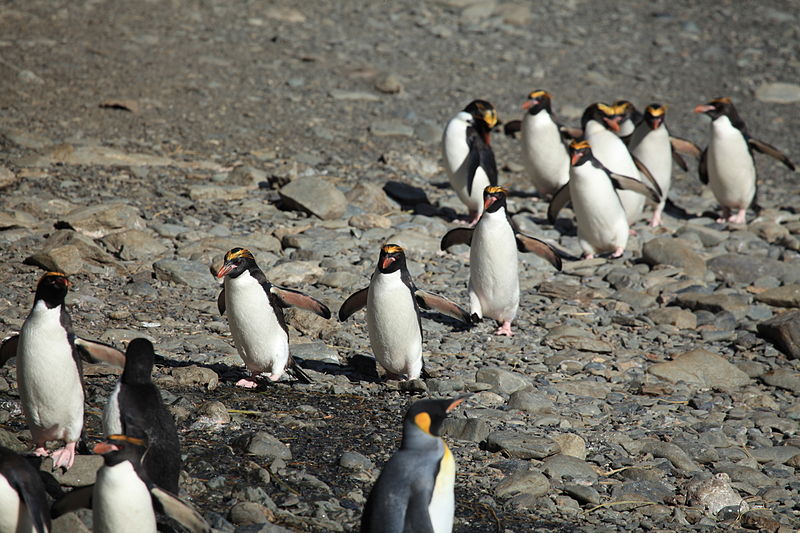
{"x":701,"y":368}
{"x":135,"y":244}
{"x":391,"y":128}
{"x":774,"y":454}
{"x":784,"y":332}
{"x":582,"y":493}
{"x":263,"y":444}
{"x":371,"y":198}
{"x":745,"y":269}
{"x":315,"y":351}
{"x":785,"y":296}
{"x":415,"y":242}
{"x":672,"y":452}
{"x":468,"y":429}
{"x":10,"y":441}
{"x":362,"y":96}
{"x":69,"y":523}
{"x":83,"y":471}
{"x":355,"y":461}
{"x":531,"y":402}
{"x":191,"y":376}
{"x":562,"y":466}
{"x":648,"y":491}
{"x":97,"y":221}
{"x":183,"y":272}
{"x":369,"y":221}
{"x":523,"y":481}
{"x":249,"y":513}
{"x":6,"y":177}
{"x":737,"y":304}
{"x":71,"y":253}
{"x":708,"y":236}
{"x":17,"y":219}
{"x":578,"y":339}
{"x":779,"y":93}
{"x":673,"y":316}
{"x":522,"y":445}
{"x":585,"y":388}
{"x":783,"y":378}
{"x":675,"y":252}
{"x":292,"y":273}
{"x":216,"y":193}
{"x":502,"y":381}
{"x":572,"y":445}
{"x":314,"y":195}
{"x":714,"y":494}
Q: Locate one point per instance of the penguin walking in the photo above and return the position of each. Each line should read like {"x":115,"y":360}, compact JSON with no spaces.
{"x":468,"y":156}
{"x":255,"y":313}
{"x":393,"y":314}
{"x":23,"y":500}
{"x":627,"y":118}
{"x":415,"y":490}
{"x":135,"y":408}
{"x":493,"y":269}
{"x":727,"y":163}
{"x":600,"y":215}
{"x":650,"y":142}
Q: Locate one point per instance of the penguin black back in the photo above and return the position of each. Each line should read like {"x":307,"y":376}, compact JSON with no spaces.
{"x":25,"y":480}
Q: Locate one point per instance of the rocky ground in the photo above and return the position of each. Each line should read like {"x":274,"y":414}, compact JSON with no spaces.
{"x":657,"y":392}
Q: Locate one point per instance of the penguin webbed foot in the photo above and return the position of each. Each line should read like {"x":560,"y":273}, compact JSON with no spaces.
{"x":64,"y":457}
{"x":505,"y":329}
{"x":247,"y":383}
{"x":41,"y":451}
{"x":618,"y":252}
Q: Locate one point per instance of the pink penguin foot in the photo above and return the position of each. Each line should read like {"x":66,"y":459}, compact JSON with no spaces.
{"x":274,"y":377}
{"x":656,"y":220}
{"x":505,"y":329}
{"x":738,"y":218}
{"x":618,"y":252}
{"x":632,"y":232}
{"x":41,"y":451}
{"x":64,"y":457}
{"x":247,"y":383}
{"x":588,"y":256}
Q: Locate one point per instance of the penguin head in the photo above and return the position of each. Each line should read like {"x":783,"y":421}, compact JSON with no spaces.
{"x":391,"y":259}
{"x":654,"y":115}
{"x":52,"y":289}
{"x":237,"y":261}
{"x":424,"y":419}
{"x":118,"y":448}
{"x":494,"y":198}
{"x":537,"y":101}
{"x":580,"y":152}
{"x":717,"y":107}
{"x":138,"y":362}
{"x":604,"y":114}
{"x":483,"y":112}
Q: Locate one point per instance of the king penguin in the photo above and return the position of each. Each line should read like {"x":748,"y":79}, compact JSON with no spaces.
{"x":135,"y":408}
{"x":415,"y":491}
{"x":600,"y":216}
{"x":23,"y":500}
{"x":393,"y":313}
{"x":255,"y":313}
{"x":493,"y":269}
{"x":468,"y":156}
{"x":727,"y":164}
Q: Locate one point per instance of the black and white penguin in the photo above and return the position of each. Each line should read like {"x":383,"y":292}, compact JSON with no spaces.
{"x":493,"y":268}
{"x":135,"y":409}
{"x":415,"y":491}
{"x":393,"y":314}
{"x":650,"y":143}
{"x":627,"y":117}
{"x":23,"y":500}
{"x":468,"y":156}
{"x":600,"y":216}
{"x":727,"y":163}
{"x":255,"y":313}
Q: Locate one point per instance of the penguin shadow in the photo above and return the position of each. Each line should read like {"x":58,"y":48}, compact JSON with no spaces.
{"x":676,"y":211}
{"x":415,"y":199}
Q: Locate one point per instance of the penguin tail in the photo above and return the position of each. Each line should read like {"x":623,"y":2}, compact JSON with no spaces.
{"x":299,"y":374}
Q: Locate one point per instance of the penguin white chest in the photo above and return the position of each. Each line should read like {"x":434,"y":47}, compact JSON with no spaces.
{"x":14,"y":515}
{"x":112,"y":422}
{"x":442,"y":506}
{"x":455,"y":151}
{"x":731,"y":169}
{"x":121,"y":502}
{"x":600,"y":217}
{"x":493,"y":267}
{"x":259,"y":338}
{"x":543,"y":154}
{"x":614,"y":155}
{"x":49,"y":381}
{"x":655,"y":151}
{"x":393,"y":325}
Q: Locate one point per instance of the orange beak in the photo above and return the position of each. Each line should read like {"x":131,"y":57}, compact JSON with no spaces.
{"x":388,"y":260}
{"x":527,"y":104}
{"x":703,"y":108}
{"x":575,"y":157}
{"x":488,"y":201}
{"x":104,"y":447}
{"x":227,"y":267}
{"x":613,"y":123}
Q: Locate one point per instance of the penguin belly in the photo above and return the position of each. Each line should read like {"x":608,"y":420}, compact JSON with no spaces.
{"x":260,"y":340}
{"x":543,"y":154}
{"x":14,"y":515}
{"x":393,"y":325}
{"x":121,"y":502}
{"x":731,"y":170}
{"x":443,"y":503}
{"x":112,"y":421}
{"x":49,"y":381}
{"x":655,"y":151}
{"x":600,"y":217}
{"x":613,"y":154}
{"x":493,"y":269}
{"x":455,"y":151}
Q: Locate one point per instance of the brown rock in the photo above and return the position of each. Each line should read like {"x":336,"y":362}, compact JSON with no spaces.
{"x":785,"y":296}
{"x":701,"y":368}
{"x":675,"y":252}
{"x":784,"y":332}
{"x":674,"y":316}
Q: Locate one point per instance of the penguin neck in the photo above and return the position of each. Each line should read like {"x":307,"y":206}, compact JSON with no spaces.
{"x":722,"y":125}
{"x":593,"y":127}
{"x":137,"y":373}
{"x":416,"y":439}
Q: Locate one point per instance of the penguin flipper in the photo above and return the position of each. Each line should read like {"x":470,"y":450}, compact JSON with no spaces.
{"x":354,"y":302}
{"x":480,"y":156}
{"x":631,"y":184}
{"x":644,"y":171}
{"x":702,"y":167}
{"x":679,"y":160}
{"x":428,"y":300}
{"x":569,"y":133}
{"x":560,"y":199}
{"x":25,"y":480}
{"x":291,"y":297}
{"x":8,"y":348}
{"x":298,"y":373}
{"x":512,"y":128}
{"x":526,"y":243}
{"x":457,"y":236}
{"x":418,"y":517}
{"x":80,"y":498}
{"x":685,"y":147}
{"x":765,"y":148}
{"x":98,"y":352}
{"x":221,"y":302}
{"x":178,"y":510}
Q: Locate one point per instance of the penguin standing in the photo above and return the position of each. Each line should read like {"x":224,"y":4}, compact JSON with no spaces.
{"x":600,"y":216}
{"x":255,"y":313}
{"x":650,"y":143}
{"x":493,"y":269}
{"x":543,"y":152}
{"x":468,"y":156}
{"x":23,"y":500}
{"x":135,"y":408}
{"x":393,"y":316}
{"x":727,"y":164}
{"x":415,"y":491}
{"x":627,"y":118}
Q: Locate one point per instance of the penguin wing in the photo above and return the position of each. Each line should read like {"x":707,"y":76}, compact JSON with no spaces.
{"x":8,"y":348}
{"x":569,"y":133}
{"x":98,"y":352}
{"x":480,"y":156}
{"x":679,"y":160}
{"x":630,"y":184}
{"x":764,"y":148}
{"x":644,"y":171}
{"x":356,"y":301}
{"x":418,"y":517}
{"x":291,"y":297}
{"x":428,"y":300}
{"x":512,"y":128}
{"x":178,"y":510}
{"x":526,"y":243}
{"x":80,"y":498}
{"x":221,"y":302}
{"x":25,"y":480}
{"x":702,"y":167}
{"x":560,"y":199}
{"x":457,"y":236}
{"x":684,"y":146}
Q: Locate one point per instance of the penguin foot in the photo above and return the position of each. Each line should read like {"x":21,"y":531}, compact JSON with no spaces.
{"x":618,"y":252}
{"x":656,"y":220}
{"x":738,"y":218}
{"x":247,"y":383}
{"x":505,"y":329}
{"x":588,"y":256}
{"x":632,"y":232}
{"x":41,"y":451}
{"x":64,"y":457}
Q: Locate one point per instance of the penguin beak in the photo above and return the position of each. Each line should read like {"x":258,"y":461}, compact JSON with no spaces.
{"x":657,"y":123}
{"x":388,"y":260}
{"x":457,"y":402}
{"x":613,"y":122}
{"x":576,"y":156}
{"x":104,"y":447}
{"x":703,"y":108}
{"x":488,"y":201}
{"x":527,"y":104}
{"x":226,"y":268}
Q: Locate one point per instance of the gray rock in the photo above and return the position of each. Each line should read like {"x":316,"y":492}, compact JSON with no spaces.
{"x":572,"y":445}
{"x":314,"y":195}
{"x":582,"y":493}
{"x":649,"y":491}
{"x":502,"y":381}
{"x":715,"y":494}
{"x":71,"y":253}
{"x":745,"y":269}
{"x":737,"y":304}
{"x":531,"y":402}
{"x":785,"y":296}
{"x":708,"y":236}
{"x":783,"y":378}
{"x":249,"y":513}
{"x":524,"y":481}
{"x":636,"y":299}
{"x":6,"y":177}
{"x":576,"y":338}
{"x":183,"y":272}
{"x":340,"y":94}
{"x":369,"y":221}
{"x":214,"y":412}
{"x":673,"y":316}
{"x":99,"y":220}
{"x":293,"y":273}
{"x":672,"y":452}
{"x":216,"y":193}
{"x":134,"y":244}
{"x":779,"y":93}
{"x":562,"y":466}
{"x":468,"y":429}
{"x":784,"y":332}
{"x":522,"y":445}
{"x":10,"y":441}
{"x":744,"y":474}
{"x":83,"y":471}
{"x":701,"y":368}
{"x":314,"y":351}
{"x":69,"y":523}
{"x":193,"y":375}
{"x":263,"y":444}
{"x":675,"y":252}
{"x":391,"y":128}
{"x":371,"y":198}
{"x":389,"y":83}
{"x":776,"y":454}
{"x":355,"y":461}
